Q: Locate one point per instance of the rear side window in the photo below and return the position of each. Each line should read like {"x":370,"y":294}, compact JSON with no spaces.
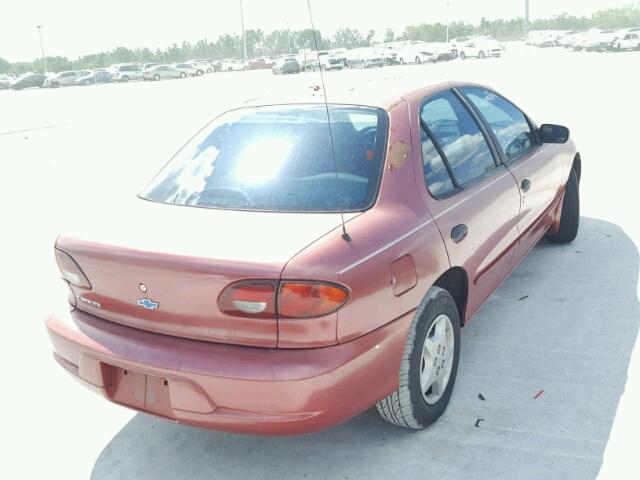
{"x":507,"y":122}
{"x":279,"y":158}
{"x":436,"y":174}
{"x":459,"y":137}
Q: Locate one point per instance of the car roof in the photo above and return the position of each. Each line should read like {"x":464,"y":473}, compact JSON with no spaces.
{"x":367,"y":94}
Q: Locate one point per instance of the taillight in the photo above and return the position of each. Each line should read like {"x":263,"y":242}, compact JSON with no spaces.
{"x":71,"y":271}
{"x":251,"y":298}
{"x":307,"y":299}
{"x":288,"y":299}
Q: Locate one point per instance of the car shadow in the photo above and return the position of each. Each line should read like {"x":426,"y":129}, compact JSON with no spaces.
{"x":543,"y":366}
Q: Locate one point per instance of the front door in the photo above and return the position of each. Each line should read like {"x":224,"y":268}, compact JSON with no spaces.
{"x":535,"y":167}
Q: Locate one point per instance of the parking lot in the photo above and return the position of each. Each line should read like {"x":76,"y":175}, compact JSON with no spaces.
{"x":565,"y":323}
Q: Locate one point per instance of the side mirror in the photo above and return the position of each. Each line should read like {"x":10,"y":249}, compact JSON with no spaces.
{"x":550,"y":133}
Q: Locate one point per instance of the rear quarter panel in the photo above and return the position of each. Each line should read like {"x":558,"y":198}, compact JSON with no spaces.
{"x":398,"y":226}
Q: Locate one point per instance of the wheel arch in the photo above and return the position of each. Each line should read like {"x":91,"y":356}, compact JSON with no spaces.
{"x":455,"y":281}
{"x":577,"y":166}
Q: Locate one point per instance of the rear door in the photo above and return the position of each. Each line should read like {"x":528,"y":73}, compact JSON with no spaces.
{"x":472,"y":197}
{"x":536,"y":168}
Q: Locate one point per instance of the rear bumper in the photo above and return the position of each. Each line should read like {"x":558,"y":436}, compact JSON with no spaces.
{"x":226,"y":387}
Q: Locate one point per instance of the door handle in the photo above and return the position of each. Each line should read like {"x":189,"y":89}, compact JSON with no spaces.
{"x":458,"y":233}
{"x":525,"y":185}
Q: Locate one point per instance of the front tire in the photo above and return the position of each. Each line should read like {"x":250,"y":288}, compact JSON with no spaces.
{"x":570,"y":216}
{"x":429,"y":364}
{"x":481,"y":55}
{"x":462,"y":56}
{"x":183,"y":75}
{"x":418,"y":61}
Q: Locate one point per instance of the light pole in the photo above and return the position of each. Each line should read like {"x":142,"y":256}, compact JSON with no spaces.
{"x":44,"y":59}
{"x":244,"y":33}
{"x":447,"y":5}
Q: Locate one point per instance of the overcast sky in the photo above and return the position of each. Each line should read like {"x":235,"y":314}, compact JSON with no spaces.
{"x":76,"y":27}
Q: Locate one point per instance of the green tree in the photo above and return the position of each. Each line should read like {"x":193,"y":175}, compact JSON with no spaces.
{"x":5,"y":66}
{"x":389,"y":35}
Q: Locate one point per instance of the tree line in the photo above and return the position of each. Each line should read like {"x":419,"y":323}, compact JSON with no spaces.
{"x":260,"y":43}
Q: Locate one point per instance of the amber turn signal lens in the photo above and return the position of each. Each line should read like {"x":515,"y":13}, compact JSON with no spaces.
{"x":304,"y":300}
{"x":71,"y":271}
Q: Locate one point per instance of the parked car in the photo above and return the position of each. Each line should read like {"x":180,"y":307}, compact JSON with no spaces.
{"x":324,"y":317}
{"x":480,"y":48}
{"x":65,"y":79}
{"x":285,"y":65}
{"x":189,"y":69}
{"x":233,"y":65}
{"x":331,"y":62}
{"x":454,"y":43}
{"x":101,"y":75}
{"x":260,"y":63}
{"x":204,"y":65}
{"x":364,"y":58}
{"x":627,"y":40}
{"x":416,"y":53}
{"x":161,"y":72}
{"x":127,"y":71}
{"x":5,"y":81}
{"x":29,"y":80}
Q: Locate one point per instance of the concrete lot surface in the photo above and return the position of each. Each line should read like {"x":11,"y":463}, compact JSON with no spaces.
{"x":566,"y":322}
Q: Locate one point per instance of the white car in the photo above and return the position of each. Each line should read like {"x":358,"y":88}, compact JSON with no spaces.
{"x":160,"y":72}
{"x":189,"y":69}
{"x":203,"y":65}
{"x":417,"y":53}
{"x":65,"y":79}
{"x":233,"y":65}
{"x":480,"y":48}
{"x":627,"y":40}
{"x":6,"y":81}
{"x":124,"y":72}
{"x":331,"y":62}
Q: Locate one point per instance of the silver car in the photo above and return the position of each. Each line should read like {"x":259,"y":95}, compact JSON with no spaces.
{"x":64,"y":79}
{"x":189,"y":69}
{"x":160,"y":72}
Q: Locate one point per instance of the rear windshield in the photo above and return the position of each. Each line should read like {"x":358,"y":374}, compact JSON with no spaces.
{"x":279,"y":158}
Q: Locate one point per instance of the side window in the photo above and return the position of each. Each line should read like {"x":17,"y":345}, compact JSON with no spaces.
{"x":458,"y":136}
{"x":436,"y":174}
{"x":509,"y":124}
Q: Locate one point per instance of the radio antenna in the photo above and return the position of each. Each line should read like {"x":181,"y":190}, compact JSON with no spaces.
{"x":345,"y":235}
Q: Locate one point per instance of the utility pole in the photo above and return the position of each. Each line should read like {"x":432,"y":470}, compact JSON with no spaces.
{"x":244,"y":33}
{"x":44,"y":60}
{"x":526,"y":16}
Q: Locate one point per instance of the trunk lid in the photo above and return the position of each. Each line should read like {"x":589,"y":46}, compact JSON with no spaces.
{"x":162,"y":267}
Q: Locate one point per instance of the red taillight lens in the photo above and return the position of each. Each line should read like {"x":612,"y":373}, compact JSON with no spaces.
{"x":251,"y":298}
{"x":71,"y":271}
{"x":305,"y":299}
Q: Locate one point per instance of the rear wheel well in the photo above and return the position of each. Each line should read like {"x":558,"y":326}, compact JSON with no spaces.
{"x":455,"y":282}
{"x":577,"y":166}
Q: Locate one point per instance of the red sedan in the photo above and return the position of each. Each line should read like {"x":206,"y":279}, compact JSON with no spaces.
{"x":295,"y":264}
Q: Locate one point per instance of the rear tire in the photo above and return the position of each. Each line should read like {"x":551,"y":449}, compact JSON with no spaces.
{"x":481,"y":55}
{"x":183,"y":75}
{"x":418,"y":61}
{"x":409,"y":406}
{"x":125,"y":78}
{"x":462,"y":56}
{"x":570,"y":216}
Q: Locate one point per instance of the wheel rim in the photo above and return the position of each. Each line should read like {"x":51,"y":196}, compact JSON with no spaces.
{"x":437,"y":359}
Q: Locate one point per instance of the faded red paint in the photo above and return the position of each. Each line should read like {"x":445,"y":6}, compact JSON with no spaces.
{"x":191,"y":363}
